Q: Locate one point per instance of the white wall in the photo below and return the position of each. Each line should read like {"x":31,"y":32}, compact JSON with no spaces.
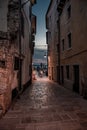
{"x":3,"y":15}
{"x":25,"y":43}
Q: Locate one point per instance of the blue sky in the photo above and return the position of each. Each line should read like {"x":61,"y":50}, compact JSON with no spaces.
{"x":40,"y":10}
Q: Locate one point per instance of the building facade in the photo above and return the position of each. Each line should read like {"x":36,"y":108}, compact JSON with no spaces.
{"x":16,"y":48}
{"x":72,"y":30}
{"x":73,"y":45}
{"x":52,"y":40}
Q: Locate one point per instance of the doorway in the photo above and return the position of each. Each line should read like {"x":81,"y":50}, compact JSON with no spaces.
{"x":76,"y":78}
{"x":62,"y":74}
{"x":57,"y":74}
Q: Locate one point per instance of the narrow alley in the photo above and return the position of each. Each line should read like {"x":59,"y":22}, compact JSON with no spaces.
{"x":46,"y":105}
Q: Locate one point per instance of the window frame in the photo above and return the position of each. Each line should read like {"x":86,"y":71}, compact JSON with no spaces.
{"x":69,"y":40}
{"x":69,"y":12}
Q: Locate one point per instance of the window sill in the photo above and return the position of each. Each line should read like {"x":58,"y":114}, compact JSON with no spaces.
{"x":69,"y":49}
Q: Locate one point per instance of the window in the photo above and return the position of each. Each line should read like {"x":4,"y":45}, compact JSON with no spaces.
{"x":57,"y":48}
{"x":22,"y":25}
{"x":50,"y":21}
{"x":67,"y":71}
{"x":69,"y":40}
{"x":63,"y":45}
{"x":2,"y":64}
{"x":69,"y":11}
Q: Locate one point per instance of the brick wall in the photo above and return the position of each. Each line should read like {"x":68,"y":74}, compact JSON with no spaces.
{"x":5,"y":67}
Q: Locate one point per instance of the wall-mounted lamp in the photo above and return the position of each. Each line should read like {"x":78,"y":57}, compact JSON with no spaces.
{"x":45,"y":56}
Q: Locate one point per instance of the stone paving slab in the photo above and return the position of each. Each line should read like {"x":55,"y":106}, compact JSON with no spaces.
{"x":46,"y":106}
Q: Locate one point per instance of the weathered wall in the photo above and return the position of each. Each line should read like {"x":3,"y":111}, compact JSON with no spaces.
{"x":76,"y":55}
{"x":13,"y":27}
{"x":5,"y":74}
{"x":9,"y":49}
{"x":5,"y":58}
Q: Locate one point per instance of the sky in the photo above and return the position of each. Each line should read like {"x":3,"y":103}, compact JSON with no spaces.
{"x":40,"y":9}
{"x":39,"y":56}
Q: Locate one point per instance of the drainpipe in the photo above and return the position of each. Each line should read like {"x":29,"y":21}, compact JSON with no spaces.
{"x":59,"y":48}
{"x":47,"y":60}
{"x":20,"y":71}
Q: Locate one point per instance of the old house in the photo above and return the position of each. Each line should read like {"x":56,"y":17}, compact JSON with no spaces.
{"x":72,"y":49}
{"x":52,"y":40}
{"x":15,"y":48}
{"x":73,"y":30}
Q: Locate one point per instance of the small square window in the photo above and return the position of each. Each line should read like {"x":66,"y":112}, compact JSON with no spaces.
{"x":2,"y":64}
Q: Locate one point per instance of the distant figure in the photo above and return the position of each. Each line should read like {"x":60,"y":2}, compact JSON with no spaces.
{"x":38,"y":68}
{"x":34,"y":75}
{"x":41,"y":73}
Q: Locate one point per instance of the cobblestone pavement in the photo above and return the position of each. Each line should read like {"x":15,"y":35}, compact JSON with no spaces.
{"x":46,"y":106}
